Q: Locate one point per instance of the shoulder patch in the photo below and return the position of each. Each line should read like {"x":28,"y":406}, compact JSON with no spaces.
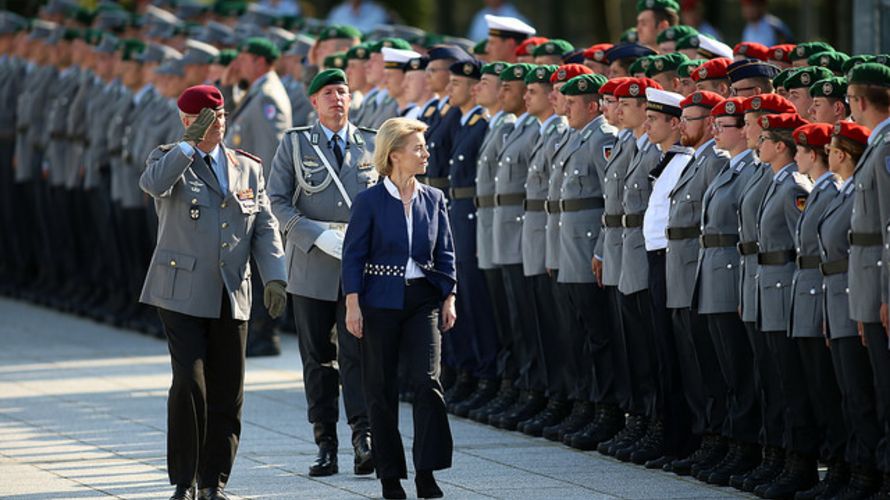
{"x":800,"y":202}
{"x":429,"y":111}
{"x":269,"y":110}
{"x":249,"y":155}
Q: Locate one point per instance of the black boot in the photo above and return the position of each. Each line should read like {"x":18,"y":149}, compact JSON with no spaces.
{"x":505,"y":397}
{"x":530,"y":406}
{"x":770,"y":467}
{"x":325,"y":463}
{"x":747,"y":456}
{"x":461,"y":390}
{"x":556,"y":411}
{"x":634,"y":428}
{"x":833,"y":483}
{"x":363,"y":464}
{"x":426,"y":485}
{"x":800,"y":474}
{"x":583,"y":412}
{"x":392,"y":488}
{"x":702,"y":471}
{"x":652,"y":447}
{"x":623,"y":453}
{"x":608,"y":421}
{"x":865,"y":482}
{"x":485,"y":391}
{"x":184,"y":492}
{"x":706,"y":450}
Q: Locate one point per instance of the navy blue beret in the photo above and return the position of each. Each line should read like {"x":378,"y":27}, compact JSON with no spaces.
{"x":447,"y":52}
{"x":628,"y":50}
{"x":574,"y":57}
{"x":750,"y":68}
{"x":470,"y":68}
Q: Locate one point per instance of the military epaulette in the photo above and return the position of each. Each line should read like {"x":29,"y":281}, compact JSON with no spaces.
{"x":298,"y":129}
{"x":608,"y":129}
{"x":781,"y":176}
{"x":167,"y":147}
{"x":802,"y":181}
{"x":249,"y":155}
{"x":429,"y":111}
{"x":368,"y":129}
{"x":475,"y":119}
{"x":586,"y":135}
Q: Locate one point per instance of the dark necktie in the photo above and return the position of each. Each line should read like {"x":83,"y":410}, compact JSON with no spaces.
{"x":209,"y":162}
{"x":338,"y":153}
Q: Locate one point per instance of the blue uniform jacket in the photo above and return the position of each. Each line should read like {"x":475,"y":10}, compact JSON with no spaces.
{"x":375,"y":250}
{"x":462,"y":173}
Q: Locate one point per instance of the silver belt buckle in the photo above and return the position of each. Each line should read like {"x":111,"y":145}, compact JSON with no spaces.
{"x":337,"y":226}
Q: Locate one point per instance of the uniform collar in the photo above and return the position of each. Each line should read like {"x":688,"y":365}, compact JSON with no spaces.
{"x":822,"y":177}
{"x":442,"y":102}
{"x":739,"y":157}
{"x":215,"y":154}
{"x":329,"y":134}
{"x":137,"y":97}
{"x":495,"y":118}
{"x":546,"y":123}
{"x":786,"y":168}
{"x":466,"y":117}
{"x":642,"y":140}
{"x":701,"y":149}
{"x":878,"y":130}
{"x":259,"y":82}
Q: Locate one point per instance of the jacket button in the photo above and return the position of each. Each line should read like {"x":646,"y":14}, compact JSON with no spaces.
{"x":589,"y":234}
{"x":225,"y":245}
{"x":194,"y":201}
{"x":339,"y":203}
{"x":846,"y":290}
{"x":224,"y":205}
{"x":729,"y":266}
{"x":224,"y":225}
{"x":812,"y":291}
{"x":778,"y":285}
{"x":172,"y":263}
{"x":222,"y":263}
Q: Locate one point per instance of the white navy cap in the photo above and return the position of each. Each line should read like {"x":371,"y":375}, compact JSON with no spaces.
{"x":508,"y":27}
{"x":663,"y":101}
{"x":711,"y":48}
{"x":397,"y":58}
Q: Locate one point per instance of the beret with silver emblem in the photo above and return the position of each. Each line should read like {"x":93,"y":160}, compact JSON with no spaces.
{"x":852,"y":131}
{"x":675,"y":33}
{"x":540,"y":74}
{"x":806,"y":49}
{"x":667,"y":5}
{"x":598,"y":52}
{"x":566,"y":72}
{"x":527,"y":47}
{"x":688,"y":68}
{"x":359,"y":52}
{"x":636,"y":88}
{"x":768,"y":103}
{"x":467,"y":69}
{"x":835,"y":87}
{"x":327,"y":77}
{"x":804,"y":77}
{"x":688,"y":42}
{"x":335,"y":60}
{"x":783,"y":121}
{"x":516,"y":72}
{"x":813,"y":135}
{"x":391,"y":43}
{"x":782,"y":52}
{"x":586,"y":84}
{"x":494,"y":68}
{"x":779,"y":79}
{"x":553,"y":47}
{"x":830,"y":59}
{"x":666,"y":63}
{"x":752,"y":50}
{"x":629,"y":35}
{"x":729,"y":107}
{"x":640,"y":65}
{"x":714,"y":69}
{"x":131,"y":48}
{"x":703,"y":99}
{"x":339,"y":31}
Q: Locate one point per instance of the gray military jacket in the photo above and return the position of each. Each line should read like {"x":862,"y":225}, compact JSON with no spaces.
{"x":513,"y":161}
{"x":637,"y":188}
{"x":719,"y":271}
{"x":608,"y":245}
{"x":77,"y":125}
{"x":123,"y":108}
{"x":365,"y":109}
{"x":749,"y":207}
{"x":307,"y":202}
{"x":534,"y":221}
{"x":554,"y":189}
{"x":866,"y":261}
{"x":299,"y":102}
{"x":387,"y":109}
{"x":777,"y":219}
{"x":31,"y":113}
{"x":584,"y":170}
{"x":806,"y":315}
{"x":258,"y":122}
{"x":681,"y":260}
{"x":58,"y":147}
{"x":131,"y":164}
{"x":834,"y":247}
{"x":206,"y":237}
{"x":486,"y":169}
{"x":100,"y":110}
{"x":11,"y":79}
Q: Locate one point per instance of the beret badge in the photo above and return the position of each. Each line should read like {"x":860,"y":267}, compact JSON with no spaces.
{"x":764,"y":122}
{"x":703,"y":73}
{"x":837,"y":128}
{"x":468,"y":69}
{"x":696,"y":98}
{"x":805,"y":78}
{"x":634,"y":90}
{"x":730,"y":108}
{"x":517,"y":72}
{"x":755,"y":104}
{"x":582,"y":85}
{"x":827,"y":88}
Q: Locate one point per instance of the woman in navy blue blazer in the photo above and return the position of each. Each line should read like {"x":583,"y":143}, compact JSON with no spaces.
{"x":399,"y":280}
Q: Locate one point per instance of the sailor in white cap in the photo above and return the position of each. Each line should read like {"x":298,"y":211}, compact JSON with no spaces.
{"x":711,"y":48}
{"x":395,"y":63}
{"x":504,"y":35}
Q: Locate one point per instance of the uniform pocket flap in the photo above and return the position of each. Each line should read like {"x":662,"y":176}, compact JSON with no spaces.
{"x":176,"y":260}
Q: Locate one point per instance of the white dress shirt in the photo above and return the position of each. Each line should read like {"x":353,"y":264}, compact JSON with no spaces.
{"x":656,"y":217}
{"x":412,"y":270}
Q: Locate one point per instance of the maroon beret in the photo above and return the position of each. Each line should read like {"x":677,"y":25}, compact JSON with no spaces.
{"x":196,"y":98}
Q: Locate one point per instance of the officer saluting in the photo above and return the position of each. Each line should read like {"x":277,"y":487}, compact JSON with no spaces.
{"x":316,"y":173}
{"x":213,"y":216}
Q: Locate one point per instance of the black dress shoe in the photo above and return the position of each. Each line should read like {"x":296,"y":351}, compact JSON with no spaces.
{"x":212,"y":493}
{"x":426,"y":485}
{"x":325,"y":463}
{"x":364,"y":459}
{"x":184,"y":492}
{"x":392,"y":488}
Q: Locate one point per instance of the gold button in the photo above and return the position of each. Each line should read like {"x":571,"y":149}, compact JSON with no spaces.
{"x":225,"y":225}
{"x":224,"y":205}
{"x":172,"y":263}
{"x":225,"y":245}
{"x":194,"y":201}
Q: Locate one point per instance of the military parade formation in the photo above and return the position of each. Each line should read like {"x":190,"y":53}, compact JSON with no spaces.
{"x":668,"y":250}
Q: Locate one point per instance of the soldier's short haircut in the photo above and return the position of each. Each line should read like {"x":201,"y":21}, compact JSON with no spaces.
{"x":878,"y":97}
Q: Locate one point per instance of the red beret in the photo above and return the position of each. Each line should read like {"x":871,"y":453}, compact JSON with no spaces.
{"x":813,"y":135}
{"x":636,"y":87}
{"x":196,"y":98}
{"x":853,"y":131}
{"x":609,"y":87}
{"x":784,"y":121}
{"x":781,"y":52}
{"x":711,"y":70}
{"x":734,"y":106}
{"x":768,"y":103}
{"x":702,"y":98}
{"x":566,"y":72}
{"x":752,"y":50}
{"x":528,"y":45}
{"x":598,"y":52}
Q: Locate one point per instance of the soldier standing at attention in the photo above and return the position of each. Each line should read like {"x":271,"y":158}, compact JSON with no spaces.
{"x":316,"y":174}
{"x":213,"y":215}
{"x":257,"y":125}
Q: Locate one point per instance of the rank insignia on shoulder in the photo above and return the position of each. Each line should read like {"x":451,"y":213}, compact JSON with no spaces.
{"x":249,"y":155}
{"x":587,"y":134}
{"x":310,"y":162}
{"x":429,"y":111}
{"x":166,"y":147}
{"x":800,"y":202}
{"x":474,"y":120}
{"x":358,"y":139}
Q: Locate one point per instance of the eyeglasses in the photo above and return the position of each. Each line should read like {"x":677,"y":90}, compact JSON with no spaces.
{"x":763,"y":138}
{"x":687,"y":119}
{"x":723,"y":126}
{"x":738,"y":90}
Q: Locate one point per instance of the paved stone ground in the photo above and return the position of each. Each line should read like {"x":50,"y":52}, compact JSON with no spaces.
{"x":82,"y":415}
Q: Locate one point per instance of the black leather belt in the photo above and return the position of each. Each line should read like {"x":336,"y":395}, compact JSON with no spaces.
{"x":747,"y":247}
{"x":462,"y":193}
{"x":416,"y":281}
{"x":508,"y":199}
{"x":632,"y":220}
{"x":683,"y":233}
{"x":612,"y":220}
{"x":579,"y":204}
{"x":808,"y":261}
{"x":438,"y":182}
{"x":551,"y":207}
{"x":484,"y":201}
{"x":834,"y":267}
{"x":864,"y":239}
{"x":776,"y":258}
{"x":719,"y":240}
{"x":533,"y":205}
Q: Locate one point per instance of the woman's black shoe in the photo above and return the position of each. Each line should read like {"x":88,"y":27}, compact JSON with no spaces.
{"x":392,"y":488}
{"x":426,"y":485}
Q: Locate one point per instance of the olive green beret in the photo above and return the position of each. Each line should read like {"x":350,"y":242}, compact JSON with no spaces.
{"x":553,"y":47}
{"x":260,"y":46}
{"x":640,"y":65}
{"x":338,"y":31}
{"x":494,"y":68}
{"x":829,"y":59}
{"x":336,"y":60}
{"x":688,"y":42}
{"x":804,"y":77}
{"x":130,"y":48}
{"x":666,"y":62}
{"x":540,"y":74}
{"x":882,"y":59}
{"x":629,"y":36}
{"x":658,"y":5}
{"x":870,"y":73}
{"x":835,"y":86}
{"x":856,"y":60}
{"x":586,"y":84}
{"x":225,"y":57}
{"x":779,"y":79}
{"x":479,"y":48}
{"x":675,"y":33}
{"x":392,"y":43}
{"x":685,"y":70}
{"x":360,"y":52}
{"x":806,"y":49}
{"x":327,"y":77}
{"x":516,"y":72}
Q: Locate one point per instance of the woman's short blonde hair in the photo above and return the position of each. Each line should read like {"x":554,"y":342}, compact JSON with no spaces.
{"x":391,"y":136}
